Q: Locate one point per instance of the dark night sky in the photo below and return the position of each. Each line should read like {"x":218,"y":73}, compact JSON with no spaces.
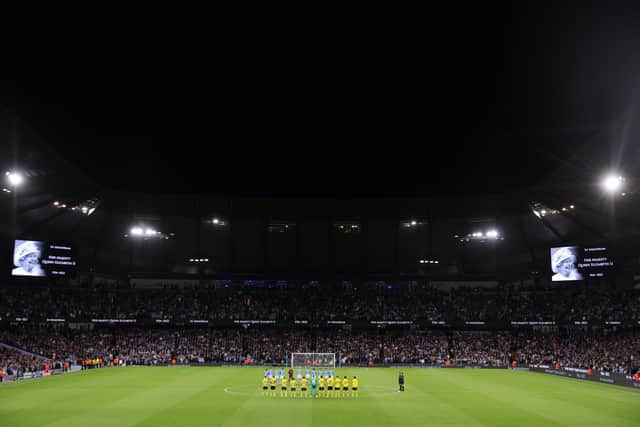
{"x":423,"y":102}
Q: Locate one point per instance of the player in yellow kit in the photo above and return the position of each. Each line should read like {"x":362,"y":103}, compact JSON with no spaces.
{"x":283,"y":387}
{"x":345,"y":386}
{"x":293,"y":386}
{"x":330,"y":387}
{"x":354,"y":386}
{"x":265,"y":385}
{"x":321,"y":386}
{"x":272,"y":384}
{"x":303,"y":386}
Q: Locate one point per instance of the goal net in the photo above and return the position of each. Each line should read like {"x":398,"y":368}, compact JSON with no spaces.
{"x":313,"y":360}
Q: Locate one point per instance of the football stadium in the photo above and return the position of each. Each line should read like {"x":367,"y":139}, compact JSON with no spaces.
{"x":233,"y":220}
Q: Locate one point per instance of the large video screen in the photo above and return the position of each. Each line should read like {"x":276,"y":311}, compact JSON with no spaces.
{"x":571,"y":263}
{"x":42,"y":259}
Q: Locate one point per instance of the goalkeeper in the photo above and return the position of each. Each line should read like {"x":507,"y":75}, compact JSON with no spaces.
{"x":314,"y":387}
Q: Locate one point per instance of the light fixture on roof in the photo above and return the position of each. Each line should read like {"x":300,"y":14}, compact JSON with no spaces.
{"x":216,"y":221}
{"x":281,"y":227}
{"x":87,"y":207}
{"x":14,"y":178}
{"x":412,"y":223}
{"x":613,"y":183}
{"x":147,"y":232}
{"x":347,"y":227}
{"x":479,"y":236}
{"x":541,"y":210}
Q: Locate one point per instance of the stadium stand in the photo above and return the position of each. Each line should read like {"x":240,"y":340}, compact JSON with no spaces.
{"x":610,"y":349}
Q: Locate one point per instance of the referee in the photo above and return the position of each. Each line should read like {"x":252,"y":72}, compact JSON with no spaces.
{"x":401,"y":381}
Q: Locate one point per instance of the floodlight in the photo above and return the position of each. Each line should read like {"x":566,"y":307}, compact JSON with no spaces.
{"x":612,"y":183}
{"x":137,"y":231}
{"x":14,"y":178}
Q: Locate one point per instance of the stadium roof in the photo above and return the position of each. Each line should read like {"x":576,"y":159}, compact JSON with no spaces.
{"x":473,"y":101}
{"x":173,"y":118}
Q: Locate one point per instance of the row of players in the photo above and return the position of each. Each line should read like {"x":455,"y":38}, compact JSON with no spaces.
{"x":316,"y":383}
{"x":309,"y":373}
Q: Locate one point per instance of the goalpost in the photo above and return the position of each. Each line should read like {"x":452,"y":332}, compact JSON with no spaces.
{"x":313,"y":360}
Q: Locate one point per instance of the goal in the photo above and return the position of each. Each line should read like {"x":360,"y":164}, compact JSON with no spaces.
{"x":313,"y":360}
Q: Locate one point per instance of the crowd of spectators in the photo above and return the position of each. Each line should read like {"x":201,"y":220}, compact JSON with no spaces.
{"x":314,"y":304}
{"x":618,"y":352}
{"x":14,"y":363}
{"x":368,"y":301}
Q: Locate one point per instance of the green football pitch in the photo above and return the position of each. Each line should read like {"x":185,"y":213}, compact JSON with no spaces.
{"x":206,"y":396}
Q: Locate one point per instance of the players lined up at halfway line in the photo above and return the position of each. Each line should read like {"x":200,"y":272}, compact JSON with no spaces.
{"x":313,"y":381}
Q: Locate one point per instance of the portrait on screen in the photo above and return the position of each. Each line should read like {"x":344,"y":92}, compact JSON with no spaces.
{"x":27,"y":255}
{"x":564,"y":264}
